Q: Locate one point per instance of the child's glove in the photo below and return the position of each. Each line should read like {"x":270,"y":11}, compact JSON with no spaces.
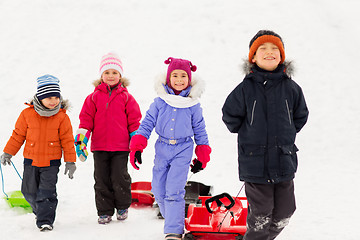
{"x":203,"y":155}
{"x":196,"y":166}
{"x":81,"y":140}
{"x":70,"y":167}
{"x":135,"y":157}
{"x":5,"y":158}
{"x":137,"y":144}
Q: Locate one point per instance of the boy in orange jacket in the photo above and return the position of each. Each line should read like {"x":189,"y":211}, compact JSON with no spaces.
{"x":47,"y":132}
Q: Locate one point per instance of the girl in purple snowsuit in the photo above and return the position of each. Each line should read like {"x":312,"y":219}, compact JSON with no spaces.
{"x":176,"y":116}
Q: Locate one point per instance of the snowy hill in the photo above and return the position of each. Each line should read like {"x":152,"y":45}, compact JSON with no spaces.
{"x":67,"y":39}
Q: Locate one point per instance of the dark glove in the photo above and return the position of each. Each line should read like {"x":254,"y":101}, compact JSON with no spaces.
{"x":196,"y":166}
{"x":137,"y":144}
{"x":70,"y":167}
{"x":135,"y":157}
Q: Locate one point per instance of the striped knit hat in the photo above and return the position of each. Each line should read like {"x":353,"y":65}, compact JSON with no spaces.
{"x":111,"y":61}
{"x":47,"y":86}
{"x":262,"y":37}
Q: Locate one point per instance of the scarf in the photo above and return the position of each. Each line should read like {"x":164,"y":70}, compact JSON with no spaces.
{"x":179,"y":101}
{"x":43,"y":111}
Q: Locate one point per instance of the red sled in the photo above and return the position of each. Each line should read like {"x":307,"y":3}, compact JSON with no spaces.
{"x":219,"y":217}
{"x":141,"y":195}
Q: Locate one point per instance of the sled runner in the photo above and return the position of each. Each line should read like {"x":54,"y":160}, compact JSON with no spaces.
{"x":218,"y":217}
{"x":141,"y":194}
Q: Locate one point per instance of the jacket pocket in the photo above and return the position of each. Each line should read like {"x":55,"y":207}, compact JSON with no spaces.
{"x":54,"y":148}
{"x":29,"y":149}
{"x":252,"y":160}
{"x":288,"y":159}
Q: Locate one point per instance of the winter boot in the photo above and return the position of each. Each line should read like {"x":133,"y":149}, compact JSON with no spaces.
{"x":122,"y":214}
{"x":104,"y":219}
{"x":173,"y":236}
{"x":46,"y":227}
{"x":158,"y":213}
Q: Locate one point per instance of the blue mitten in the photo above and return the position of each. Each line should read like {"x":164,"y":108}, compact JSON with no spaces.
{"x":81,"y":140}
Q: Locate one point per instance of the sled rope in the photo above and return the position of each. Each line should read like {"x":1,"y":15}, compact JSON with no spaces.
{"x":220,"y":224}
{"x":2,"y":183}
{"x":16,"y":171}
{"x":2,"y":179}
{"x":240,"y":190}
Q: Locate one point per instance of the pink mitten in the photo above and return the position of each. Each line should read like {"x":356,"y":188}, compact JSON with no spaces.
{"x":203,"y":154}
{"x":137,"y":144}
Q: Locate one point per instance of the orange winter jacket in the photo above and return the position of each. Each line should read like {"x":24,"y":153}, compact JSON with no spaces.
{"x":46,"y":137}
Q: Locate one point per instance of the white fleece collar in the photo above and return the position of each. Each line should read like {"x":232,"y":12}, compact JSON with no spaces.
{"x":176,"y":100}
{"x":179,"y":101}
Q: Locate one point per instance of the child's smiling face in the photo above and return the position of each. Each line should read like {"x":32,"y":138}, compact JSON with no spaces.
{"x":267,"y":56}
{"x":179,"y":80}
{"x":50,"y":102}
{"x":111,"y":77}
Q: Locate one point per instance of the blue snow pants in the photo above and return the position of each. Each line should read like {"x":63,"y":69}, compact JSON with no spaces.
{"x":39,"y":189}
{"x":170,"y":171}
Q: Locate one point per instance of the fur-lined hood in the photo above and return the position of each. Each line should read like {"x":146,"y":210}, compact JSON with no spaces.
{"x":197,"y":86}
{"x":178,"y":101}
{"x":289,"y":67}
{"x":124,"y":82}
{"x":65,"y":104}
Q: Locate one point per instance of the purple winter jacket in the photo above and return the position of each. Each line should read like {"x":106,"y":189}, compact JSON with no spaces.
{"x":176,"y":116}
{"x":111,"y":115}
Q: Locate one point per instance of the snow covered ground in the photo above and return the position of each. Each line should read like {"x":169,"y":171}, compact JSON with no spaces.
{"x":67,"y":39}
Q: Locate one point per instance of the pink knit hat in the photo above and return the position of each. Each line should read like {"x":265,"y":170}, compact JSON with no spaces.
{"x":111,"y":61}
{"x":182,"y":64}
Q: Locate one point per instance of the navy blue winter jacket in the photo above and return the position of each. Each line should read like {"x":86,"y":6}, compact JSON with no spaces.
{"x":266,"y":109}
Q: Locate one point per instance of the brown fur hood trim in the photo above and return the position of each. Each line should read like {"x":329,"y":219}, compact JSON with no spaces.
{"x":65,"y":104}
{"x":124,"y":82}
{"x":289,"y":67}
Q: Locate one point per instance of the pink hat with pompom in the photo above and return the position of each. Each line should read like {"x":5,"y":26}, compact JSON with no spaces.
{"x":182,"y":64}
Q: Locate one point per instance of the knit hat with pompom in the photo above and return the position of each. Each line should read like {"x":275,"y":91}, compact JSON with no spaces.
{"x":182,"y":64}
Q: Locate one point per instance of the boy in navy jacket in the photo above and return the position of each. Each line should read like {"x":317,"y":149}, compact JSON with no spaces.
{"x":267,"y":109}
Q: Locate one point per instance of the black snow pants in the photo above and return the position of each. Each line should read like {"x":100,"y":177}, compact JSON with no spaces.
{"x":270,"y":209}
{"x":39,"y":189}
{"x":112,"y":182}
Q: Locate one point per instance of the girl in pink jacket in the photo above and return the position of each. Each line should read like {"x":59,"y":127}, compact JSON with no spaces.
{"x":111,"y":115}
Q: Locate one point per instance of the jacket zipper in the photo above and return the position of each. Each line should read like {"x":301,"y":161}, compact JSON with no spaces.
{"x":252,"y":113}
{"x":110,"y":91}
{"x":288,"y":110}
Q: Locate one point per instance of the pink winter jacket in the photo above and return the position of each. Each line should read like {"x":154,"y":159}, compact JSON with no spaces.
{"x":110,"y":116}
